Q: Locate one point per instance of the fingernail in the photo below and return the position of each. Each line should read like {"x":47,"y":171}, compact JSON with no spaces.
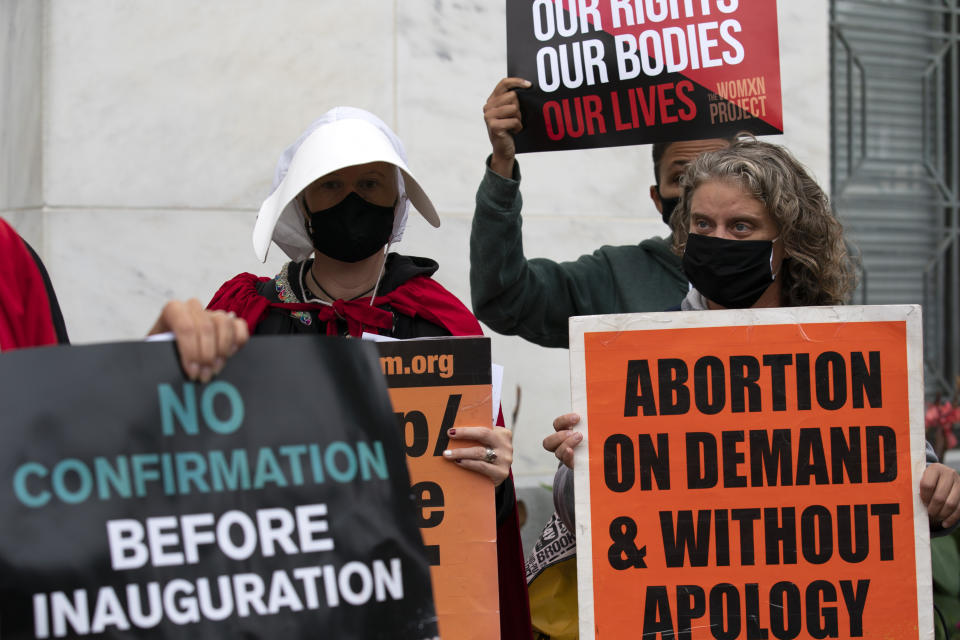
{"x":218,"y":364}
{"x":452,"y":432}
{"x":193,"y":370}
{"x":205,"y":374}
{"x":577,"y":437}
{"x":447,"y":453}
{"x":526,"y":83}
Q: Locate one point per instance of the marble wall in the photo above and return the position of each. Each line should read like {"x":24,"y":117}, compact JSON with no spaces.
{"x":21,"y":91}
{"x":138,"y":139}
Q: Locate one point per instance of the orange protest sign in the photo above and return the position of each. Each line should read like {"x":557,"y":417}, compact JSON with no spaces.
{"x":435,"y":385}
{"x":751,"y":474}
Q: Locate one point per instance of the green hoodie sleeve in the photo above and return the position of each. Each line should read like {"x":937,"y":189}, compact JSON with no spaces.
{"x":534,"y":298}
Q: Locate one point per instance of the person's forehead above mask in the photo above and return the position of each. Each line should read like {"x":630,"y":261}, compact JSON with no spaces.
{"x":677,"y":155}
{"x":375,"y":182}
{"x":724,"y":208}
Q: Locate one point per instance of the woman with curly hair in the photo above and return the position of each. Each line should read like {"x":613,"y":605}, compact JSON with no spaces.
{"x":755,"y":230}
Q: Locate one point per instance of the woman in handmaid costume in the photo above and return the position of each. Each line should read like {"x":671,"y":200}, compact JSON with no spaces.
{"x":340,"y":199}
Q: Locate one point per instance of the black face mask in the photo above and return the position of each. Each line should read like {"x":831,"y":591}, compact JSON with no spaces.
{"x":731,"y":273}
{"x":667,"y":205}
{"x":351,"y":230}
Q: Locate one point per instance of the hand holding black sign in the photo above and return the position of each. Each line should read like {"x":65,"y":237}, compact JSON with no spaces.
{"x":503,"y":118}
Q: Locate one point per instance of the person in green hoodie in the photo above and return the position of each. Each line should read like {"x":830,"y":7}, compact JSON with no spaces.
{"x":533,"y":298}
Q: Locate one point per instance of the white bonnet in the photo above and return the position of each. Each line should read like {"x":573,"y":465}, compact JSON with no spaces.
{"x":342,"y":137}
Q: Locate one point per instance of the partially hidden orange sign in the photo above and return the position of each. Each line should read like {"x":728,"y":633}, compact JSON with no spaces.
{"x":435,"y":385}
{"x":751,"y":475}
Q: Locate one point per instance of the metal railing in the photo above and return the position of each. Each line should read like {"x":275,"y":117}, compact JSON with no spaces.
{"x":895,"y":152}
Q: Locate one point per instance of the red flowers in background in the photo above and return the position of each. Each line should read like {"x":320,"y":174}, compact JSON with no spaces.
{"x":943,"y":416}
{"x":942,"y":420}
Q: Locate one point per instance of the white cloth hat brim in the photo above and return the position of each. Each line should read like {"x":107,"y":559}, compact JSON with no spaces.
{"x":333,"y":146}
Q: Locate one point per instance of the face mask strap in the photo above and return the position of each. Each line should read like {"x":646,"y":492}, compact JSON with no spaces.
{"x":383,"y":265}
{"x":401,"y":198}
{"x":300,"y":204}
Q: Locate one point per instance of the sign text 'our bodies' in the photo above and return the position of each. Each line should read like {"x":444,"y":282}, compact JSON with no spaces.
{"x":649,"y":52}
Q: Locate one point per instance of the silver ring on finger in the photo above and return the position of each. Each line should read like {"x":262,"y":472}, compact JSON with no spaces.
{"x":490,"y":455}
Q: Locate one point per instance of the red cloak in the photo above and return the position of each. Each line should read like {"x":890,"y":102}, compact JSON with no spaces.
{"x":25,"y":317}
{"x":421,"y":297}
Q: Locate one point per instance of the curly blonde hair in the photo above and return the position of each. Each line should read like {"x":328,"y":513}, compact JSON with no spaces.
{"x":817,"y":268}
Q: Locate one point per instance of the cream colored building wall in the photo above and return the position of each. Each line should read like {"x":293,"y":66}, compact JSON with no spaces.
{"x":138,"y":138}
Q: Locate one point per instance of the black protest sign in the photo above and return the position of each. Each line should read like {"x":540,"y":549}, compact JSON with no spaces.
{"x":271,"y":502}
{"x":609,"y":73}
